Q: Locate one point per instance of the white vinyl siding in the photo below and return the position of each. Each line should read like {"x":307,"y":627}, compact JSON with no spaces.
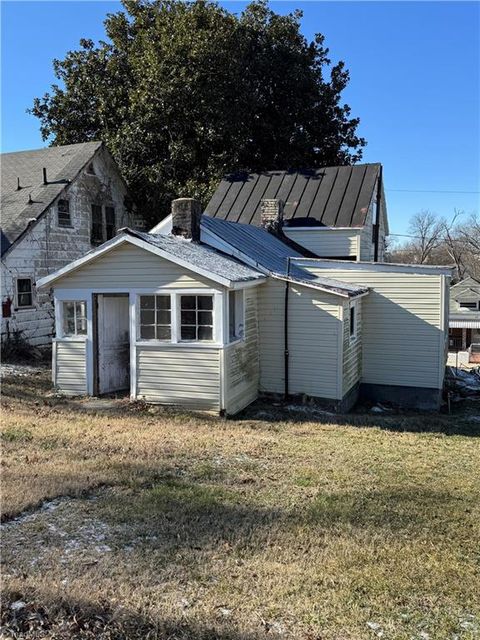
{"x":128,"y":266}
{"x":352,"y":348}
{"x":403,"y":333}
{"x":327,"y":243}
{"x":179,"y":376}
{"x":70,"y":367}
{"x":314,"y":328}
{"x":242,"y":369}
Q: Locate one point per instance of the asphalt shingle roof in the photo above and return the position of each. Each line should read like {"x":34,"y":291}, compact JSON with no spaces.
{"x":332,"y":196}
{"x":62,"y":164}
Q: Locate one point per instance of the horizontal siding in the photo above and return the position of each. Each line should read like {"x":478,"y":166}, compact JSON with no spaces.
{"x":313,"y":340}
{"x":403,"y":326}
{"x":242,"y":368}
{"x":331,"y":243}
{"x":185,"y":377}
{"x":70,"y":367}
{"x":130,"y":266}
{"x":352,"y":351}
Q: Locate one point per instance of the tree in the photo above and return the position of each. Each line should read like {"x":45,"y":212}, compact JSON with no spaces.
{"x":183,"y":93}
{"x":427,"y":230}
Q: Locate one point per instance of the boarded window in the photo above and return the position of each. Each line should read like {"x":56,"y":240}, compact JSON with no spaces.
{"x":155,"y":317}
{"x":24,"y":292}
{"x":196,"y":317}
{"x":109,"y":222}
{"x":97,"y":224}
{"x":63,"y":213}
{"x":74,"y":317}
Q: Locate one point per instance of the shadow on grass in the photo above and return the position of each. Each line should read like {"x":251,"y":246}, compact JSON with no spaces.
{"x":56,"y":616}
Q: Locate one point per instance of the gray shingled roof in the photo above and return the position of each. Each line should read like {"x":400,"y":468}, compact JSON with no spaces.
{"x":271,"y":254}
{"x":200,"y":255}
{"x":62,"y":165}
{"x":332,"y":196}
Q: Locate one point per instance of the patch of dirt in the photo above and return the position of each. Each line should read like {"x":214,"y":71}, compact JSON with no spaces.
{"x":23,"y":370}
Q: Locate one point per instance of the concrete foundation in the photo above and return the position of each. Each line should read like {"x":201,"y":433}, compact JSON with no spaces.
{"x":349,"y":400}
{"x":406,"y":397}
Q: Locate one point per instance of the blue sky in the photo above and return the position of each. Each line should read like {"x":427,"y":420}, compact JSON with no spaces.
{"x":415,"y":84}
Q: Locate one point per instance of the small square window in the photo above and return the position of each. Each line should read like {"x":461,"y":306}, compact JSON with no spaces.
{"x":196,"y":317}
{"x":155,"y":317}
{"x":24,"y":292}
{"x":63,"y":213}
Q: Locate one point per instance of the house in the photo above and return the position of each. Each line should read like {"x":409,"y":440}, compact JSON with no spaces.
{"x":218,"y":312}
{"x":334,"y":212}
{"x":57,"y":203}
{"x":464,"y":324}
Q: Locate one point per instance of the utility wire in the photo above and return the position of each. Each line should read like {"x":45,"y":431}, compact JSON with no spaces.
{"x":428,"y":191}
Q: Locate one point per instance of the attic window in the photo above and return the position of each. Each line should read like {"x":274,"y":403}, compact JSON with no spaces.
{"x":468,"y":305}
{"x":63,"y":213}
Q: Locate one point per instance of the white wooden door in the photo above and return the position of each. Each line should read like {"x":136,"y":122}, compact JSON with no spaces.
{"x":113,"y":343}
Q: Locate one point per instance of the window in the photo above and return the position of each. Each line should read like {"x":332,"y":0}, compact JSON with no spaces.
{"x":353,"y":322}
{"x":24,"y":292}
{"x":196,"y":317}
{"x":155,"y":317}
{"x":236,"y":321}
{"x":63,"y":213}
{"x":109,"y":222}
{"x":97,"y":224}
{"x":468,"y":305}
{"x":74,"y":317}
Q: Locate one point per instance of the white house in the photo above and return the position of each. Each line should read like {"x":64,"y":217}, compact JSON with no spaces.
{"x":333,"y":212}
{"x":57,"y":203}
{"x":218,"y":312}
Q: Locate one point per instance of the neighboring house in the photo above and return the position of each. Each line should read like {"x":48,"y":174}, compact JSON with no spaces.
{"x":219,"y":312}
{"x":464,"y":324}
{"x":334,"y":212}
{"x":56,"y":204}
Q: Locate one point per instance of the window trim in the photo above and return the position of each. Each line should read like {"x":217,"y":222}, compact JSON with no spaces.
{"x":241,"y":338}
{"x":462,"y":305}
{"x":353,"y":335}
{"x":72,"y":336}
{"x":19,"y":306}
{"x":59,"y":224}
{"x":196,"y":325}
{"x":103,"y":222}
{"x":160,"y":341}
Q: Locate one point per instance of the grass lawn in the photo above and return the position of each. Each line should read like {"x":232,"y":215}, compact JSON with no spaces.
{"x":146,"y":523}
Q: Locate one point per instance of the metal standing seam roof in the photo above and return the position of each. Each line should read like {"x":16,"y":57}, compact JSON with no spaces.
{"x":62,"y":163}
{"x":201,"y":255}
{"x":271,"y":254}
{"x":331,"y":196}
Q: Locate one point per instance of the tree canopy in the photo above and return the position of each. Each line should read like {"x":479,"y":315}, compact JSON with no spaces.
{"x":183,"y":93}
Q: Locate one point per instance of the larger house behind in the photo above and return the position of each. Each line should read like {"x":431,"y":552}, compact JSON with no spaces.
{"x":57,"y":203}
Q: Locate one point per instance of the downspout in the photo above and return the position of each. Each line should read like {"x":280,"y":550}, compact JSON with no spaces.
{"x":377,"y":225}
{"x":285,"y":332}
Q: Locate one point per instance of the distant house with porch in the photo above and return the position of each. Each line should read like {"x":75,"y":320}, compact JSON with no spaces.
{"x":57,"y":204}
{"x":464,"y":323}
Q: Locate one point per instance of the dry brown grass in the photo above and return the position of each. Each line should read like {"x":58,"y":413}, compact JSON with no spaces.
{"x":185,"y":526}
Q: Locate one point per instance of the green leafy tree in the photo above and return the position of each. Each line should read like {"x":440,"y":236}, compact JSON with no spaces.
{"x":183,"y":93}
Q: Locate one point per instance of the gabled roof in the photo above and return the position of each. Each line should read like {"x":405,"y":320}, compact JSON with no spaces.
{"x":264,"y":251}
{"x":331,"y":197}
{"x":62,"y":163}
{"x":194,"y":256}
{"x":467,"y":287}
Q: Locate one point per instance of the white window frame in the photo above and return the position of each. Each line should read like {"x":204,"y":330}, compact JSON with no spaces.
{"x":239,"y":315}
{"x":61,"y":327}
{"x":353,"y":335}
{"x":19,"y":306}
{"x":138,"y":318}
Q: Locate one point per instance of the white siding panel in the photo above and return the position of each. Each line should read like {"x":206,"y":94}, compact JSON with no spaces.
{"x":326,"y":243}
{"x":242,"y":369}
{"x":70,"y":373}
{"x":314,"y":325}
{"x":403,"y":326}
{"x":179,"y":376}
{"x":129,"y":266}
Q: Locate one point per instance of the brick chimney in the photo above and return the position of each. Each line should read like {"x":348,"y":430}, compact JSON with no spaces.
{"x":271,"y":211}
{"x":186,"y":216}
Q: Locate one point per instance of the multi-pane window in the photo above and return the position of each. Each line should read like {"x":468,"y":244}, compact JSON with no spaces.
{"x":196,"y":317}
{"x":155,"y":317}
{"x":97,"y":224}
{"x":109,"y":222}
{"x":63,"y":213}
{"x":74,"y":318}
{"x":24,"y":292}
